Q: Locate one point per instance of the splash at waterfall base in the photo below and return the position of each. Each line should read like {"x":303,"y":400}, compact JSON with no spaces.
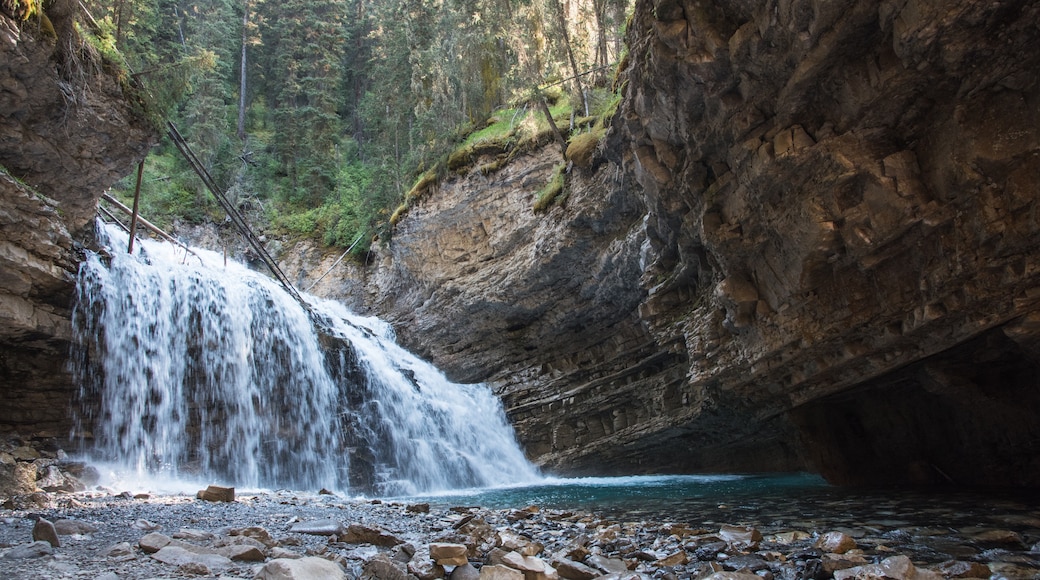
{"x":190,"y":367}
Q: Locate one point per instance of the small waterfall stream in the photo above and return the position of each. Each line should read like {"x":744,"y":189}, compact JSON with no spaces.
{"x":190,"y":368}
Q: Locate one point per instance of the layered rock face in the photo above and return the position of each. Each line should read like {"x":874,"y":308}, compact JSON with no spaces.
{"x":67,"y":132}
{"x":815,"y":246}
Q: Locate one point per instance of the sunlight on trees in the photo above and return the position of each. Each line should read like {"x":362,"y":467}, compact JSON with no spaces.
{"x":325,"y":112}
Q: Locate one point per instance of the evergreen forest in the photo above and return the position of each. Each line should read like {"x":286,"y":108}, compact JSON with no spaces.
{"x":326,"y":118}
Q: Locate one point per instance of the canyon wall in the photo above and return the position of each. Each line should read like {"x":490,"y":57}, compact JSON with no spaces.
{"x":67,"y":132}
{"x":810,"y":243}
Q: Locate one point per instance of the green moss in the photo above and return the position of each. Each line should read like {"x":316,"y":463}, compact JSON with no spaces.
{"x":554,"y":192}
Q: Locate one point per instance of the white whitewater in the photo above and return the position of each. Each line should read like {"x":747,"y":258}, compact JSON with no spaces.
{"x":190,"y":368}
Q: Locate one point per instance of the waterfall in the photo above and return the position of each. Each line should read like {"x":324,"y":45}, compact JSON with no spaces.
{"x":190,"y":367}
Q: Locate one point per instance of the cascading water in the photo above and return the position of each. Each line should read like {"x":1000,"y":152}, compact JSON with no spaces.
{"x":190,"y":367}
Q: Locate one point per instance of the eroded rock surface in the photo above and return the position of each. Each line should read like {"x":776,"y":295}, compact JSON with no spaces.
{"x":67,"y":132}
{"x":814,"y":245}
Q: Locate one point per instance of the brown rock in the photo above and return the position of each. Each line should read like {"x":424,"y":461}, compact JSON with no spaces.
{"x":216,"y":493}
{"x":676,"y":559}
{"x":742,"y":537}
{"x":309,"y":568}
{"x":500,"y":572}
{"x":449,"y":554}
{"x":572,"y":570}
{"x":43,"y":531}
{"x":361,"y":534}
{"x":958,"y":569}
{"x":836,"y":543}
{"x":153,"y":542}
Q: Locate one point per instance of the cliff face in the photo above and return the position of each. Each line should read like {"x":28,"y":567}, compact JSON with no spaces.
{"x":814,"y":246}
{"x":67,"y":132}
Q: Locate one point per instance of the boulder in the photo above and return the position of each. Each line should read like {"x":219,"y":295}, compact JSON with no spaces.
{"x":179,"y":556}
{"x":309,"y":568}
{"x":959,"y":569}
{"x":257,"y":533}
{"x":120,"y":551}
{"x":361,"y":534}
{"x":216,"y":493}
{"x":37,"y":549}
{"x":499,"y":572}
{"x":740,"y":537}
{"x":572,"y":570}
{"x":836,"y":543}
{"x":243,"y":553}
{"x":465,"y":572}
{"x":606,"y":565}
{"x":153,"y":542}
{"x":17,"y":478}
{"x":423,"y":567}
{"x":449,"y":554}
{"x":381,"y":567}
{"x":44,"y":531}
{"x":894,"y":568}
{"x":74,"y":527}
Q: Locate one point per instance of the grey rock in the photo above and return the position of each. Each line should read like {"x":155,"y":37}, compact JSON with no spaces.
{"x":73,"y":527}
{"x":27,"y":551}
{"x":178,"y":556}
{"x":44,"y":531}
{"x":328,"y":527}
{"x":465,"y":572}
{"x":309,"y":568}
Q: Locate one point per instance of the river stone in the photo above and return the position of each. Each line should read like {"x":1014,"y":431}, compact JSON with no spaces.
{"x":280,"y":553}
{"x":572,"y":570}
{"x":448,"y":554}
{"x":423,"y":567}
{"x":27,"y":551}
{"x":361,"y":534}
{"x":216,"y":493}
{"x":178,"y":556}
{"x":257,"y":533}
{"x":740,"y":536}
{"x":153,"y":542}
{"x":499,"y":572}
{"x":44,"y":531}
{"x":73,"y":527}
{"x":895,"y":568}
{"x":960,"y":569}
{"x":465,"y":572}
{"x":25,"y":453}
{"x":192,"y":535}
{"x":607,"y":565}
{"x":836,"y":543}
{"x":833,"y":562}
{"x":676,"y":559}
{"x":243,"y":553}
{"x":120,"y":551}
{"x":309,"y":568}
{"x":733,"y":576}
{"x":328,"y":527}
{"x":381,"y":567}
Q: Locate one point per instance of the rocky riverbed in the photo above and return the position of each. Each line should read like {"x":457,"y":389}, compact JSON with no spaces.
{"x":106,"y":535}
{"x":56,"y":521}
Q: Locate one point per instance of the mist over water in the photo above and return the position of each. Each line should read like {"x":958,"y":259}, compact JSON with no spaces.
{"x":192,"y":369}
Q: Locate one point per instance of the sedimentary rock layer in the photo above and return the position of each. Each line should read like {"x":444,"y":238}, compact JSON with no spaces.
{"x":814,"y":245}
{"x":67,"y":132}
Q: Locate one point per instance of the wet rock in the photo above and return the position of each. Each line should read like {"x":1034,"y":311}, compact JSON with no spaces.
{"x":606,"y":565}
{"x":153,"y":542}
{"x":833,"y":562}
{"x":327,"y":527}
{"x":310,"y":568}
{"x":418,"y":508}
{"x":179,"y":556}
{"x":25,"y":453}
{"x":572,"y":570}
{"x":361,"y":534}
{"x":740,"y":537}
{"x":959,"y":569}
{"x":423,"y":567}
{"x":534,"y":568}
{"x":37,"y":549}
{"x":216,"y":493}
{"x":465,"y":572}
{"x":745,"y":564}
{"x":449,"y":554}
{"x":676,"y":559}
{"x":709,"y":551}
{"x":894,"y":568}
{"x":786,"y":538}
{"x":500,"y":572}
{"x":74,"y":527}
{"x":733,"y":576}
{"x":836,"y":543}
{"x":44,"y":531}
{"x":999,"y":538}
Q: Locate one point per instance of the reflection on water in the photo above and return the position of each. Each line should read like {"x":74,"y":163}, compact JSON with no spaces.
{"x":772,"y":503}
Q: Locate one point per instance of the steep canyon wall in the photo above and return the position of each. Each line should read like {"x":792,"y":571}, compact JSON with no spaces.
{"x":811,"y":242}
{"x":67,"y":132}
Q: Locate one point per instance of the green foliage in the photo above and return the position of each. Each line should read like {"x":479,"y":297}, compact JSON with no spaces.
{"x":168,"y":192}
{"x":352,"y":107}
{"x":554,"y":192}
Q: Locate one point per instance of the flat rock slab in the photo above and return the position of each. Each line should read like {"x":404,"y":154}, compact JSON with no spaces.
{"x":318,"y":527}
{"x":178,"y":556}
{"x":309,"y":568}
